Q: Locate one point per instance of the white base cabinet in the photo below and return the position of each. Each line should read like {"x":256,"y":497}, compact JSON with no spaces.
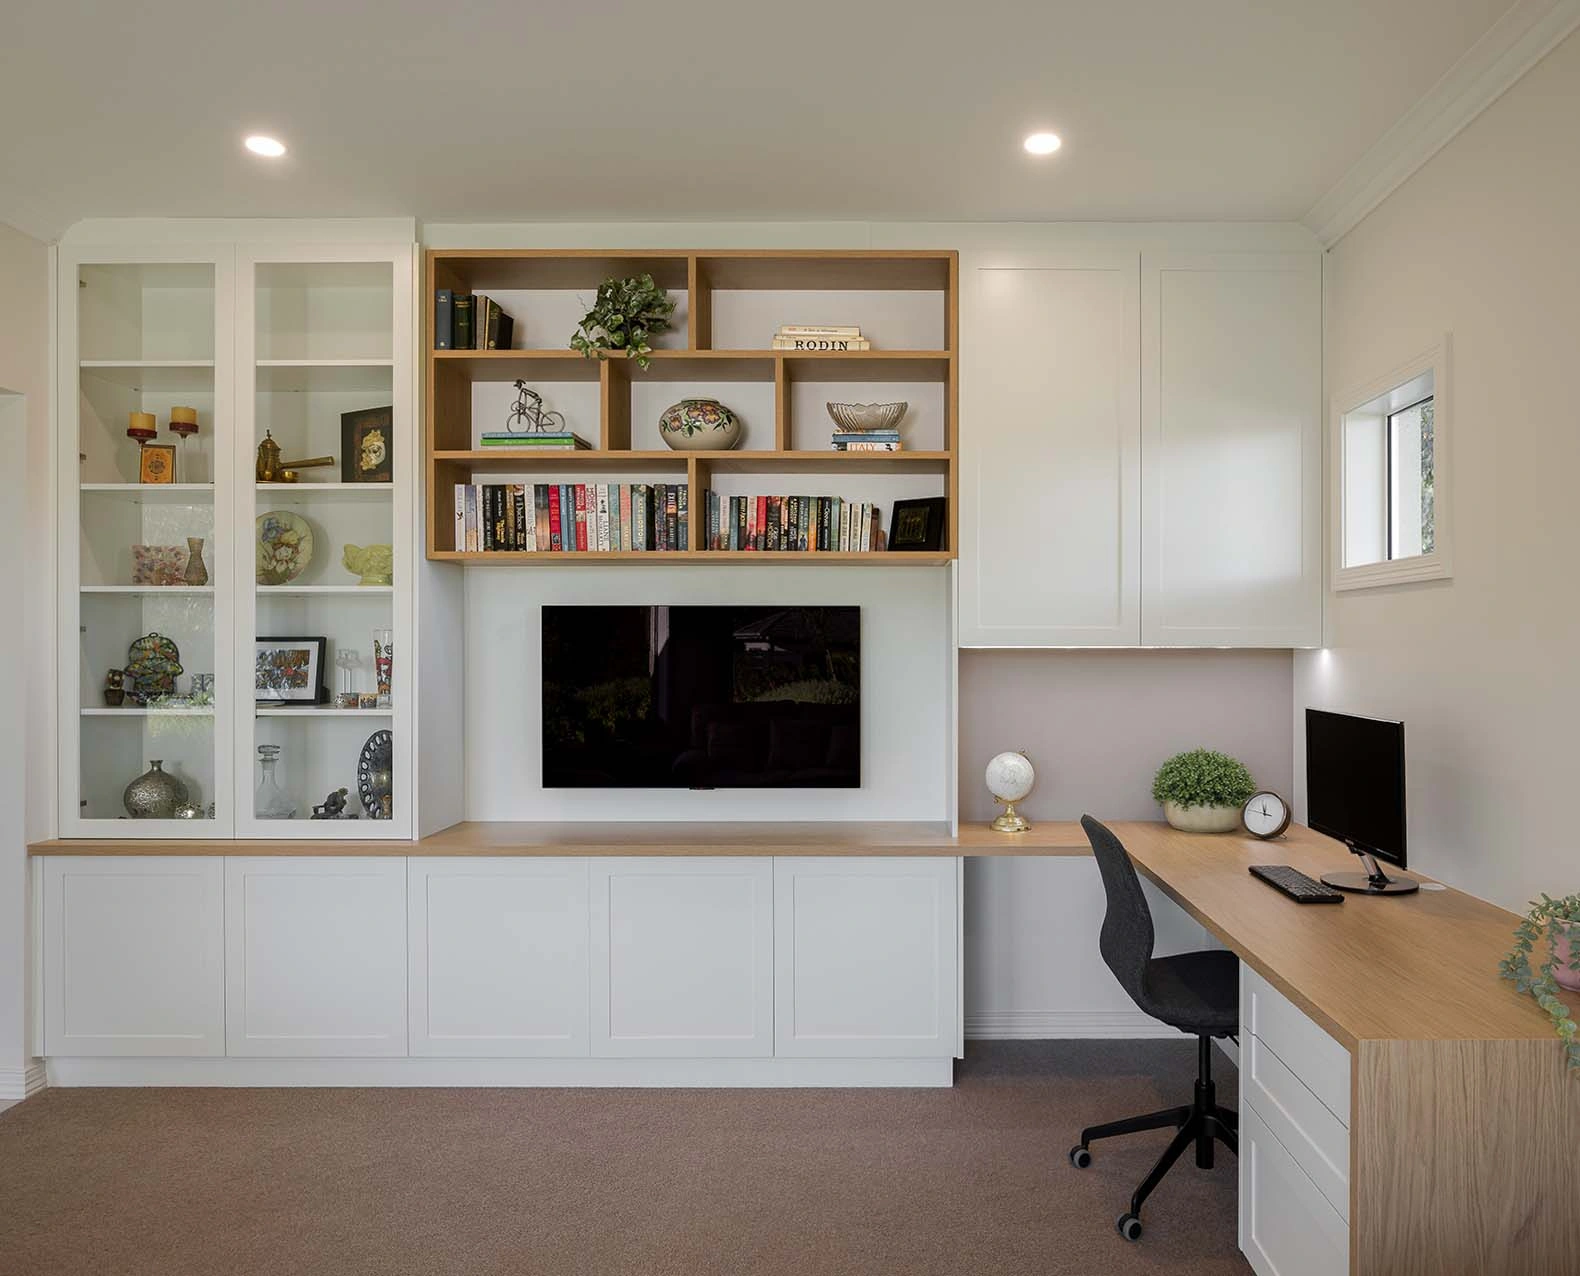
{"x":134,"y":957}
{"x":708,"y":970}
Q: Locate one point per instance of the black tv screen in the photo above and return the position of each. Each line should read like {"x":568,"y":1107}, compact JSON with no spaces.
{"x":1355,"y":781}
{"x":702,"y":697}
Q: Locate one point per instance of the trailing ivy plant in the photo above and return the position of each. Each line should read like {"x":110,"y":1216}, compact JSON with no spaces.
{"x":624,"y":315}
{"x":1560,"y":919}
{"x":1203,"y":777}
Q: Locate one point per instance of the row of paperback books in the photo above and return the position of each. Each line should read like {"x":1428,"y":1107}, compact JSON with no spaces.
{"x":570,"y":518}
{"x":468,"y":321}
{"x":809,"y":523}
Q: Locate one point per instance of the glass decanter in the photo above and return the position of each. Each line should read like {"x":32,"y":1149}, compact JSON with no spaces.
{"x":270,"y":803}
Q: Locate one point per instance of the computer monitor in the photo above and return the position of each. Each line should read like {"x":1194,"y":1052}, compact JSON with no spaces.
{"x":1355,"y":792}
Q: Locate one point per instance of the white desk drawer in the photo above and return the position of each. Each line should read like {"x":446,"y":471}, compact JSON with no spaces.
{"x":1313,"y":1135}
{"x":1305,"y":1049}
{"x":1287,"y":1227}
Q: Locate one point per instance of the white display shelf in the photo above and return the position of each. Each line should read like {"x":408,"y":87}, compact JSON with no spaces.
{"x":291,"y":493}
{"x":323,"y":376}
{"x":318,"y":591}
{"x":173,"y":711}
{"x":146,"y":589}
{"x":153,"y":375}
{"x":152,"y":493}
{"x":321,"y":711}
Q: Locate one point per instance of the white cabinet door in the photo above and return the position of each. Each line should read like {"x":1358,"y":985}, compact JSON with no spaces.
{"x":1287,"y":1227}
{"x":1050,"y":452}
{"x":315,"y":956}
{"x":498,"y":957}
{"x":1232,"y":444}
{"x":134,"y":955}
{"x":682,"y":956}
{"x":865,"y":957}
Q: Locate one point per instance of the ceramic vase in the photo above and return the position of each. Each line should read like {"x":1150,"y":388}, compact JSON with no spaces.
{"x":154,"y":795}
{"x":699,"y":425}
{"x":196,"y":573}
{"x":1202,"y":819}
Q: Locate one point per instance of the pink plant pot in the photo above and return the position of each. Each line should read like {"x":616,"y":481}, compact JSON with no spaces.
{"x":1563,"y":954}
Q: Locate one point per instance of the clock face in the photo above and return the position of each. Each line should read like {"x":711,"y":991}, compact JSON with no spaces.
{"x":1266,"y":815}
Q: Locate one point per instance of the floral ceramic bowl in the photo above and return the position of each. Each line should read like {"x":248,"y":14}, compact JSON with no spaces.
{"x":699,"y":425}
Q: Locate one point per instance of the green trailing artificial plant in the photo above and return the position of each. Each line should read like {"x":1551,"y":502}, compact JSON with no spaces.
{"x":1203,"y":777}
{"x":624,"y":315}
{"x":1560,"y":919}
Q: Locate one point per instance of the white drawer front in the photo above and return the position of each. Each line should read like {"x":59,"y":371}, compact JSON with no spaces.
{"x":1305,"y":1049}
{"x":1313,"y":1135}
{"x":1287,"y":1227}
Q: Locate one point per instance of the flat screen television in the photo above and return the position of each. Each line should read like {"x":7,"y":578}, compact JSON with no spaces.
{"x":701,"y":697}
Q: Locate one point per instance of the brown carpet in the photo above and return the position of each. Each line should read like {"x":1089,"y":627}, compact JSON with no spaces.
{"x":972,"y":1180}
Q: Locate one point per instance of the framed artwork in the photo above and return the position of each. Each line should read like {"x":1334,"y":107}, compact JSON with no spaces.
{"x":289,"y":670}
{"x":918,"y":524}
{"x":157,"y":463}
{"x":367,"y":445}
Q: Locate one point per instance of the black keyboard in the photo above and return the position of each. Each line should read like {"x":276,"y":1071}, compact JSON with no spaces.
{"x":1295,"y":884}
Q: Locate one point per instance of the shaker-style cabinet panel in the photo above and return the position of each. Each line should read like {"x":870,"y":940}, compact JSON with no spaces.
{"x":1050,"y":451}
{"x":134,"y":953}
{"x":1231,"y":411}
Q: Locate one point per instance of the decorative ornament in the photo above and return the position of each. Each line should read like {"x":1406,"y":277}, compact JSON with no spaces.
{"x":285,"y":547}
{"x":1010,"y":777}
{"x":375,"y":564}
{"x":699,"y":425}
{"x":154,"y":795}
{"x":152,"y":665}
{"x":375,"y":766}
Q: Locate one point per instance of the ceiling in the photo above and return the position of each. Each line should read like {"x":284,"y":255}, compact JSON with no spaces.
{"x":706,"y":109}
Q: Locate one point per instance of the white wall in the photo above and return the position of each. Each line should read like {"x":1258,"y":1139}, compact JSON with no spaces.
{"x":1096,"y":725}
{"x":26,"y":649}
{"x":1484,"y":243}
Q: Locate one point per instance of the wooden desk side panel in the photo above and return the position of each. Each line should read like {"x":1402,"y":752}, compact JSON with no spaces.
{"x":1465,"y":1160}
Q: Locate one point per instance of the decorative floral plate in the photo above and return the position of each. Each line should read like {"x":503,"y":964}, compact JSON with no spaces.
{"x":374,"y":766}
{"x":285,"y":547}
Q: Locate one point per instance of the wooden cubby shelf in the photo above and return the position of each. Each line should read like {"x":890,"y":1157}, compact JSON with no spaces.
{"x":906,"y":302}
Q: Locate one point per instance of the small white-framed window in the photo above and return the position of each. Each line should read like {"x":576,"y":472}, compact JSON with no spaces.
{"x":1391,"y":506}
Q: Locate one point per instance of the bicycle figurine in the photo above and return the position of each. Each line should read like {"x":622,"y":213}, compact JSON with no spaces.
{"x":529,"y":417}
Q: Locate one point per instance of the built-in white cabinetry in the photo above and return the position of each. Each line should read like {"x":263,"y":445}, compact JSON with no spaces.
{"x":499,"y":957}
{"x":1294,"y":1138}
{"x":864,"y":957}
{"x":682,"y":956}
{"x":1141,"y":449}
{"x":1231,"y":410}
{"x":1050,"y":451}
{"x":134,"y":956}
{"x":315,"y":956}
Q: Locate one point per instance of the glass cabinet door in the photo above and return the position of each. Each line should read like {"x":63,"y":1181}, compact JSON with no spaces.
{"x":147,"y":345}
{"x":324,"y":544}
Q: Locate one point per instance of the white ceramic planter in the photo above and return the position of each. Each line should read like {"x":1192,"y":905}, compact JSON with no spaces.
{"x":1202,"y":819}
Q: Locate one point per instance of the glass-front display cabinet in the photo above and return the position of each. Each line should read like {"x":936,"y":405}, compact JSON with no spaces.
{"x":237,"y":538}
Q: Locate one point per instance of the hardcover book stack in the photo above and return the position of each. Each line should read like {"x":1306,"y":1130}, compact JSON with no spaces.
{"x":570,"y":518}
{"x":867,"y":441}
{"x":806,"y":523}
{"x":811,"y":337}
{"x":470,"y":321}
{"x":545,"y":441}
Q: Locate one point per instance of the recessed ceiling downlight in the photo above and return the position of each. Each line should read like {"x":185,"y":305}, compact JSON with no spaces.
{"x":271,"y":148}
{"x":1043,"y":143}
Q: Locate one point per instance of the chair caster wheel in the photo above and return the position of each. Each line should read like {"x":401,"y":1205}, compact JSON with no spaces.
{"x":1080,"y":1157}
{"x":1129,"y":1226}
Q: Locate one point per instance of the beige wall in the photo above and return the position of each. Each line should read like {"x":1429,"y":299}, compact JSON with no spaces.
{"x":27,"y":644}
{"x":1484,"y":669}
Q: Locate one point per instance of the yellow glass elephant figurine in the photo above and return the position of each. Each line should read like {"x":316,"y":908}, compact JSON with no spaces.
{"x":375,"y":564}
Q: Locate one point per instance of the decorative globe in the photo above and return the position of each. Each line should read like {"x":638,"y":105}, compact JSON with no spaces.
{"x":1010,"y":777}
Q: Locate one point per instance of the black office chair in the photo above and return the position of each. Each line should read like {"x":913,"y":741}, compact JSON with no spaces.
{"x":1195,"y":992}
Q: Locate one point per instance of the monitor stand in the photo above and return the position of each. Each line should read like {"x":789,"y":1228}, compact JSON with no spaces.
{"x":1373,"y":881}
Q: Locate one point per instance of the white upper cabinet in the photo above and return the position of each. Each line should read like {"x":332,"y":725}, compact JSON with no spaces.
{"x":1050,"y":452}
{"x":1231,"y":400}
{"x":1141,"y":449}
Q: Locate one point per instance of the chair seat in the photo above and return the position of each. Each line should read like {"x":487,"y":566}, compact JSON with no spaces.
{"x":1196,"y":992}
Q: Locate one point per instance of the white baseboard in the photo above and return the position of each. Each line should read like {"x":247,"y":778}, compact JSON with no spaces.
{"x":17,"y":1084}
{"x":1042,"y":1025}
{"x":675,"y":1073}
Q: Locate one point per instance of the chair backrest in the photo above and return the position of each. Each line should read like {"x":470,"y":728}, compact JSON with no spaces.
{"x":1126,"y":937}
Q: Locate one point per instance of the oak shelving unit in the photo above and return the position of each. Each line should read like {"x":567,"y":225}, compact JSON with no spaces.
{"x":729,"y":294}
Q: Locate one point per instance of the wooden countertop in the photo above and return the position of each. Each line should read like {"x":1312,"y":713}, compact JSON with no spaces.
{"x":1411,"y":967}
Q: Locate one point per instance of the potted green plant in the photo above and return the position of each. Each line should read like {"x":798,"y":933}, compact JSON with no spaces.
{"x":625,"y":313}
{"x":1560,"y":920}
{"x":1203,"y":791}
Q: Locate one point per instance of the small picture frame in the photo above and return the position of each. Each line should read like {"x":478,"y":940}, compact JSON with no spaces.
{"x":917,"y":525}
{"x":289,"y":670}
{"x":367,"y":451}
{"x":157,"y":463}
